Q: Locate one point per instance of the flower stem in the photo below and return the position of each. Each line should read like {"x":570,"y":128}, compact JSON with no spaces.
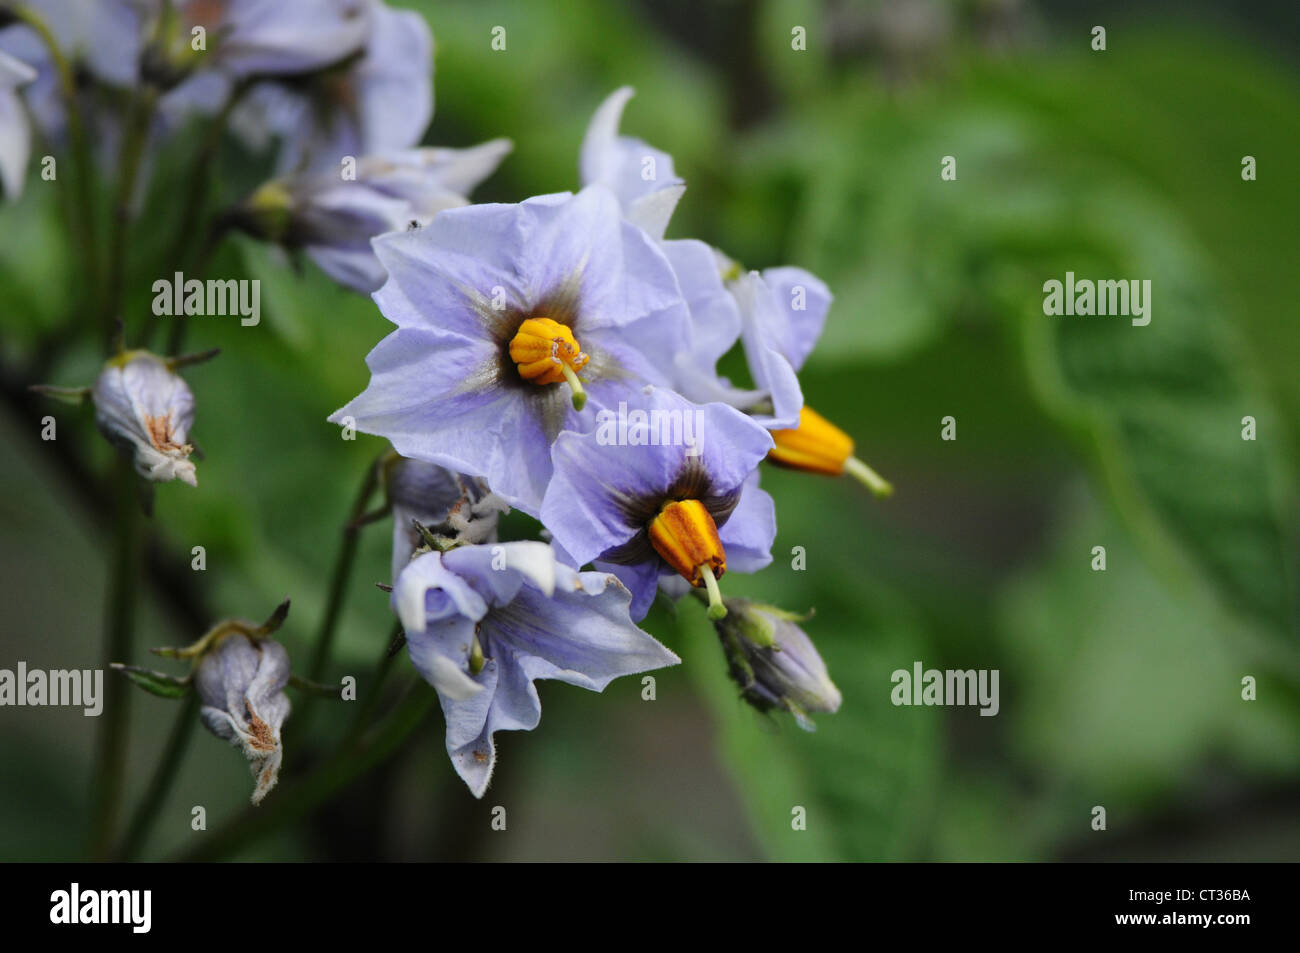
{"x":163,"y":779}
{"x":82,"y":226}
{"x":110,"y":761}
{"x":193,"y":262}
{"x":338,"y":585}
{"x":134,"y":140}
{"x":196,"y":267}
{"x":341,"y":769}
{"x":373,"y":695}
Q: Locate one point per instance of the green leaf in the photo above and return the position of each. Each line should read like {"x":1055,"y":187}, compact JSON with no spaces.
{"x":1161,"y":407}
{"x":155,"y":683}
{"x":1126,"y":682}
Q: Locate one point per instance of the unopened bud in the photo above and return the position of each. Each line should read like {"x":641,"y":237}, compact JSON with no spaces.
{"x":774,"y":662}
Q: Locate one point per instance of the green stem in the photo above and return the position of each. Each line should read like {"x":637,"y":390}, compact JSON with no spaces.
{"x":163,"y":779}
{"x":338,"y":585}
{"x":84,"y":228}
{"x":373,"y":694}
{"x":134,"y":140}
{"x":299,"y":800}
{"x":193,"y":262}
{"x":205,"y":163}
{"x":110,"y":761}
{"x":196,"y":268}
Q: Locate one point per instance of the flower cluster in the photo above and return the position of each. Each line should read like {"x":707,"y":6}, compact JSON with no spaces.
{"x":561,"y":352}
{"x":557,"y":355}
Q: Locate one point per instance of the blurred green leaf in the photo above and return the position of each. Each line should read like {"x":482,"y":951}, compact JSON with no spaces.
{"x":1121,"y":686}
{"x":866,"y":776}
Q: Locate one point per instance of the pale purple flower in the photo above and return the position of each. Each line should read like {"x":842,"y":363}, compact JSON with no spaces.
{"x":607,"y":490}
{"x":244,"y":41}
{"x":146,"y":409}
{"x":100,"y":38}
{"x":444,"y":386}
{"x":333,"y":219}
{"x":260,"y":37}
{"x":777,"y":315}
{"x":241,"y":684}
{"x":447,"y":504}
{"x":379,"y":102}
{"x":483,"y":623}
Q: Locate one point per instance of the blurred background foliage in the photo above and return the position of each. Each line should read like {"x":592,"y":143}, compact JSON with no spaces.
{"x":1119,"y":688}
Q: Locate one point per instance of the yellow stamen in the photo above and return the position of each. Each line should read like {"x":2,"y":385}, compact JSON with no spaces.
{"x":818,"y":446}
{"x":685,"y":535}
{"x":546,"y":352}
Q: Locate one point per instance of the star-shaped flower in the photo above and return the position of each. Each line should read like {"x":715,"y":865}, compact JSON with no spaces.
{"x":510,"y":319}
{"x":650,"y":505}
{"x":484,"y":622}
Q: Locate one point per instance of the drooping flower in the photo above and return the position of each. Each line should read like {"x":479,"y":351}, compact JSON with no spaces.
{"x":15,"y":136}
{"x":380,"y":101}
{"x":448,"y":504}
{"x":333,"y":219}
{"x":636,"y":496}
{"x":146,"y":409}
{"x":241,"y":684}
{"x":248,"y":38}
{"x":774,"y":662}
{"x":509,"y":318}
{"x":483,"y":623}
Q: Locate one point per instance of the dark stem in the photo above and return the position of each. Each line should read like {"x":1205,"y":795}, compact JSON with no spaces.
{"x":373,"y":693}
{"x":343,"y":562}
{"x":163,"y":778}
{"x":134,"y":140}
{"x":338,"y":585}
{"x":194,"y":262}
{"x":110,"y":762}
{"x":195,"y":267}
{"x":287,"y":806}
